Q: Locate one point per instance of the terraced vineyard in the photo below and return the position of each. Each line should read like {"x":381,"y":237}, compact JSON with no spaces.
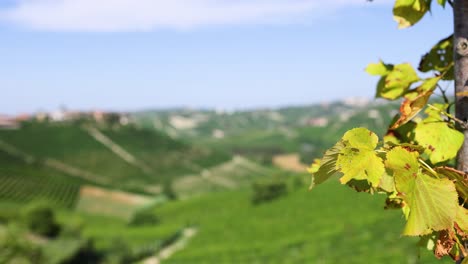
{"x":22,"y":182}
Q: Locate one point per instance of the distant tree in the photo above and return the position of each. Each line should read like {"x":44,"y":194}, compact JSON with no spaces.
{"x":40,"y":219}
{"x":268,"y":191}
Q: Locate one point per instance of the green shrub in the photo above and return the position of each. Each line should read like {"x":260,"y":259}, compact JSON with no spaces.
{"x":40,"y":219}
{"x":144,"y":217}
{"x":268,"y":191}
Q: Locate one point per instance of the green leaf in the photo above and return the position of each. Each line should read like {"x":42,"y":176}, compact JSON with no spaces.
{"x":432,"y":202}
{"x":440,"y":140}
{"x":408,"y":12}
{"x":379,"y":68}
{"x":439,"y":58}
{"x":327,"y":165}
{"x":397,"y":81}
{"x":358,"y":160}
{"x":442,"y":2}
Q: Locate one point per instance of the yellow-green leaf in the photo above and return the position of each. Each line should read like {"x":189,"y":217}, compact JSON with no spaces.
{"x":440,"y":140}
{"x":379,"y":68}
{"x":327,"y":164}
{"x":432,"y":203}
{"x":458,"y":177}
{"x":397,"y":81}
{"x":462,"y":219}
{"x":408,"y":12}
{"x":358,"y":160}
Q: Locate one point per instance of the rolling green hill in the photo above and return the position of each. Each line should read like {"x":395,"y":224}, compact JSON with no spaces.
{"x":261,"y":134}
{"x":75,"y":151}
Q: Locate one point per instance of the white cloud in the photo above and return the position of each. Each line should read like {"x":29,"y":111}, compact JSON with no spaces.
{"x":147,"y":15}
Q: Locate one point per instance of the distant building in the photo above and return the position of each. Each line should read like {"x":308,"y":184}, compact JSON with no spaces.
{"x":181,"y":122}
{"x":317,"y":122}
{"x":356,"y":101}
{"x":218,"y":133}
{"x":8,"y":123}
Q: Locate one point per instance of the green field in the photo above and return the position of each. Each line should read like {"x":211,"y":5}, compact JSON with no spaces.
{"x":330,"y":224}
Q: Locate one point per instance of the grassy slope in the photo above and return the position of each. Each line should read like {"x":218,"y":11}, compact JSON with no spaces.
{"x":331,"y":224}
{"x":73,"y":146}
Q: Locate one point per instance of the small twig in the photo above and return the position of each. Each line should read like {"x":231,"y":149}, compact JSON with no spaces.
{"x":463,"y":124}
{"x":444,"y":94}
{"x":450,"y":3}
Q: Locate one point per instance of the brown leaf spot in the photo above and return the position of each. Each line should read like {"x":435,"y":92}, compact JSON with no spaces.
{"x":444,"y":245}
{"x":431,"y":148}
{"x":407,"y":166}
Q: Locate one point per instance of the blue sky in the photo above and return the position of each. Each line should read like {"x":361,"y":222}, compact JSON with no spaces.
{"x":141,"y":54}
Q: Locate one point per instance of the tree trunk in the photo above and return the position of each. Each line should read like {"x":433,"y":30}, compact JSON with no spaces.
{"x":460,"y":15}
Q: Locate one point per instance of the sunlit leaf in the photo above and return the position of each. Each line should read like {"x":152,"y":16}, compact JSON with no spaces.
{"x":327,"y":165}
{"x":432,"y":202}
{"x":440,"y":140}
{"x":462,"y":219}
{"x":397,"y":82}
{"x":379,"y":68}
{"x":358,"y":160}
{"x":408,"y":12}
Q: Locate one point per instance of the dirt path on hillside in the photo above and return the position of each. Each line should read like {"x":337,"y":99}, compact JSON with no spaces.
{"x":169,"y":250}
{"x":290,"y":162}
{"x":52,"y":163}
{"x":116,"y":148}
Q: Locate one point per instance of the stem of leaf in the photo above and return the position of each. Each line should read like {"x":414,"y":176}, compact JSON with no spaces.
{"x":428,"y":168}
{"x":462,"y":124}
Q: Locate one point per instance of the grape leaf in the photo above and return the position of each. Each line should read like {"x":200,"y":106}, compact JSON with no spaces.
{"x":458,"y":177}
{"x":379,"y":68}
{"x":408,"y":12}
{"x":358,"y":160}
{"x":462,"y":219}
{"x":439,"y":58}
{"x":416,"y":101}
{"x":327,"y":165}
{"x":440,"y":140}
{"x":442,"y":2}
{"x":432,"y":202}
{"x":397,"y":81}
